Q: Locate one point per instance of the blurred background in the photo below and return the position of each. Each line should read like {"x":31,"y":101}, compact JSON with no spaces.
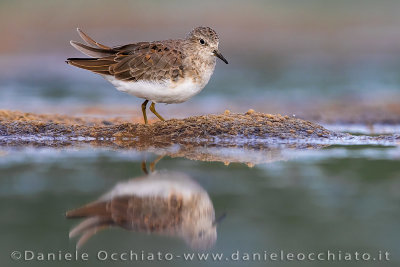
{"x":330,"y":61}
{"x":335,"y":62}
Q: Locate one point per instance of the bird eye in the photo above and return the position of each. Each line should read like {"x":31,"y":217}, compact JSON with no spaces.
{"x":202,"y":41}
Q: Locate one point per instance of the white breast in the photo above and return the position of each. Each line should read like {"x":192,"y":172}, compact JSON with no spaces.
{"x":159,"y":92}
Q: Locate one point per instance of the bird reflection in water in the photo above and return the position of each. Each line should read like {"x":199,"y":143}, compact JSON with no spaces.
{"x":161,"y":202}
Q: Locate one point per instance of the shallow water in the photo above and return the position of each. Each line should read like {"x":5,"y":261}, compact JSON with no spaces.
{"x":338,"y":198}
{"x":298,"y":196}
{"x":336,"y":64}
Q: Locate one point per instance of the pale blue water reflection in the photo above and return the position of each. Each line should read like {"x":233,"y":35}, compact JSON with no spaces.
{"x":340,"y":198}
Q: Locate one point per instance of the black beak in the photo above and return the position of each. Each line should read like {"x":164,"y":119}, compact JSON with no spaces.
{"x":220,"y":56}
{"x":220,"y":218}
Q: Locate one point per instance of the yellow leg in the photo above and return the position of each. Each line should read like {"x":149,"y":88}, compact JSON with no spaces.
{"x":144,"y":110}
{"x":153,"y":164}
{"x":153,"y":109}
{"x":144,"y":167}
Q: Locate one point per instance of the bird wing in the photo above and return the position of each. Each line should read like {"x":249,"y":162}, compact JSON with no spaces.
{"x":144,"y":61}
{"x":148,"y":61}
{"x":153,"y":214}
{"x":147,"y":214}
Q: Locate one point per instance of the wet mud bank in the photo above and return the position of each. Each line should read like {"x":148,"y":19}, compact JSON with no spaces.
{"x":251,"y":129}
{"x":251,"y":125}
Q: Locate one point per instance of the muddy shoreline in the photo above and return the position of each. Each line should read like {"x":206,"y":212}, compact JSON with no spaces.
{"x":251,"y":137}
{"x":251,"y":125}
{"x":250,"y":129}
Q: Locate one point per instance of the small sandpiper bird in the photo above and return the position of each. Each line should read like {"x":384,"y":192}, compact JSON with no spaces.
{"x":165,"y":203}
{"x":170,"y":71}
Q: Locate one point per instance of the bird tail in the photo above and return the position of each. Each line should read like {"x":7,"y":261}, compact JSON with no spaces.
{"x":97,"y":219}
{"x":90,"y":41}
{"x":101,"y":55}
{"x":97,"y":65}
{"x":89,"y":210}
{"x":92,"y":48}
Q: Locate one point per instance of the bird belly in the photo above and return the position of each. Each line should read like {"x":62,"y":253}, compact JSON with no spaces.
{"x":159,"y":92}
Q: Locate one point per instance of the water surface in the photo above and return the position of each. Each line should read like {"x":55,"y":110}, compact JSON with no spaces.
{"x":336,"y":198}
